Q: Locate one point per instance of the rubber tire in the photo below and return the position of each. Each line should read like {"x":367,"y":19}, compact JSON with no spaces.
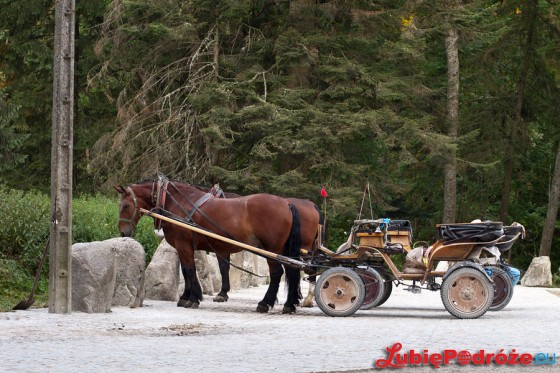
{"x":503,"y":289}
{"x":449,"y":291}
{"x":387,"y":290}
{"x":345,"y":277}
{"x":374,"y":283}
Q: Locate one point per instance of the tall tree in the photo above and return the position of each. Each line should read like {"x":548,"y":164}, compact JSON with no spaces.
{"x":516,"y":130}
{"x":26,"y":57}
{"x":450,"y":167}
{"x":553,"y":202}
{"x":297,"y":101}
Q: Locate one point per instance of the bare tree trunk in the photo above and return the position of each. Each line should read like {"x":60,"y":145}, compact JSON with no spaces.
{"x":450,"y":168}
{"x":553,"y":202}
{"x":516,"y":128}
{"x":216,"y":52}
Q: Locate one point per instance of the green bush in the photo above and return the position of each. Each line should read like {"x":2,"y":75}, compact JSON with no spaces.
{"x":24,"y":224}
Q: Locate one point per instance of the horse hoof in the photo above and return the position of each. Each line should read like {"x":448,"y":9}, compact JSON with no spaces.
{"x":220,"y":298}
{"x":307,"y":304}
{"x":190,"y":304}
{"x":262,"y":309}
{"x":288,"y":310}
{"x":182,"y":302}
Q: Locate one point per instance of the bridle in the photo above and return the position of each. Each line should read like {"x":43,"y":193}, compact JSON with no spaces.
{"x":133,"y":218}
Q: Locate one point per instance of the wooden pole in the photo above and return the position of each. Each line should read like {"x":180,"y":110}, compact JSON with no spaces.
{"x":252,"y":249}
{"x":60,"y":263}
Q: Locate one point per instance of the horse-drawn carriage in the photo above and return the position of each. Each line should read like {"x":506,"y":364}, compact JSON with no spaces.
{"x":360,"y":275}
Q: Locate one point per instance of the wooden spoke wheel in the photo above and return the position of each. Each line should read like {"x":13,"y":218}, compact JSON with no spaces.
{"x":339,"y":291}
{"x":467,"y":293}
{"x":503,"y":289}
{"x":375,"y":287}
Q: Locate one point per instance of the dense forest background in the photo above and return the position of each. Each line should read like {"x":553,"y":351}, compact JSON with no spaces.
{"x":448,"y":110}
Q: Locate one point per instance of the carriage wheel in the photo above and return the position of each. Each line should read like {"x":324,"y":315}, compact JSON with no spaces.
{"x":375,"y":287}
{"x":503,"y":289}
{"x":339,"y":291}
{"x":467,"y":293}
{"x":387,"y":290}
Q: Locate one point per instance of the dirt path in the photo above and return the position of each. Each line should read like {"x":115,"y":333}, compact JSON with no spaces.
{"x":231,"y":337}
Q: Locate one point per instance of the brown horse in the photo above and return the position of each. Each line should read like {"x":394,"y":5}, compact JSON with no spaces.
{"x":310,"y":218}
{"x":262,"y":220}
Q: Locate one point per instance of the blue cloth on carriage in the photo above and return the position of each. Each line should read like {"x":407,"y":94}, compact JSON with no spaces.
{"x":513,"y":273}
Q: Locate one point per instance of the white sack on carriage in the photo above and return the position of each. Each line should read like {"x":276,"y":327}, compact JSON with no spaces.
{"x":415,"y":261}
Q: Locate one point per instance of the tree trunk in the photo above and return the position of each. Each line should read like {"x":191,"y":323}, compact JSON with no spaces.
{"x":216,"y":52}
{"x":450,"y":168}
{"x":516,"y":128}
{"x":553,"y":202}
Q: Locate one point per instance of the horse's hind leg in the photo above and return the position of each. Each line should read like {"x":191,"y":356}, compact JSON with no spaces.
{"x":294,"y":290}
{"x":223,"y":264}
{"x":308,"y":301}
{"x":276,"y":273}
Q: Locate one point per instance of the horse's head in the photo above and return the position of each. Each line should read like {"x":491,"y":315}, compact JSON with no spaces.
{"x":129,"y":213}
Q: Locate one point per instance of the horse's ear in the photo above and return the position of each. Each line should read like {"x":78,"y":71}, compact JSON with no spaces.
{"x":119,"y":189}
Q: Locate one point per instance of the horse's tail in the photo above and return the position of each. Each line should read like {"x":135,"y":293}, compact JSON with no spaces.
{"x":291,"y":249}
{"x":293,"y":244}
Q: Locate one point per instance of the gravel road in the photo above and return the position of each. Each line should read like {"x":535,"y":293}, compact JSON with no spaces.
{"x":232,"y":337}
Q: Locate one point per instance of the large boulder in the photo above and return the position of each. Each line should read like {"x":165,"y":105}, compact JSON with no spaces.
{"x":204,"y":272}
{"x":539,"y":273}
{"x":94,"y":272}
{"x":131,"y":262}
{"x":214,"y":269}
{"x":251,"y":263}
{"x":162,"y":274}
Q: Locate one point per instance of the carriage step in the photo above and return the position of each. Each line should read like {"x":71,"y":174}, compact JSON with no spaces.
{"x":413,"y":289}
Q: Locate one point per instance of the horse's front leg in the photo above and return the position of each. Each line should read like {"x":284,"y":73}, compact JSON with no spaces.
{"x":187,"y":292}
{"x":186,"y":254}
{"x":223,"y":264}
{"x":269,"y":299}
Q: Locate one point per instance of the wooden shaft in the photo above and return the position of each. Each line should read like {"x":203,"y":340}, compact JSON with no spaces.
{"x":253,"y":249}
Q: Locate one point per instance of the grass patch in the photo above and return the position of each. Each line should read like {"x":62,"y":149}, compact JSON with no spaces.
{"x":16,"y":284}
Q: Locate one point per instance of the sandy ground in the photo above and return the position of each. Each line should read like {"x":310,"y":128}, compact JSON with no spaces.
{"x":232,"y":337}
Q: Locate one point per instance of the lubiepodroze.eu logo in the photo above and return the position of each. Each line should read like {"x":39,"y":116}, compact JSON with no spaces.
{"x":397,"y":359}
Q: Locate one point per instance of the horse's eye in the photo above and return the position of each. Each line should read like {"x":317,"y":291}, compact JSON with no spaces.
{"x":126,"y":205}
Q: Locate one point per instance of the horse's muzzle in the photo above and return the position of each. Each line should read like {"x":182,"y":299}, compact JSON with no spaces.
{"x":127,"y":233}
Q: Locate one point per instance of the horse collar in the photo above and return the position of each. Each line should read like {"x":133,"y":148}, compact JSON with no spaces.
{"x":161,"y":195}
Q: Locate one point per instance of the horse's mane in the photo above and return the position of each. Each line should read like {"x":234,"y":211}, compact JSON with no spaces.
{"x":203,"y":188}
